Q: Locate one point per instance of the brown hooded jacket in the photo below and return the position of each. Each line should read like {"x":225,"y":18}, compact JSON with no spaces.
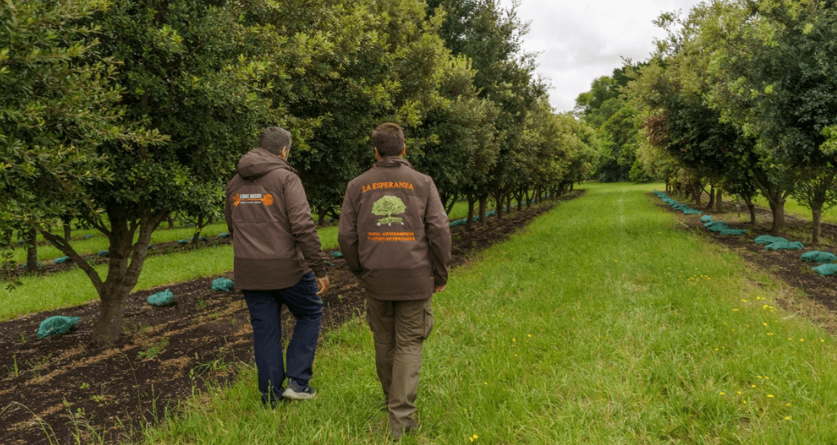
{"x":394,"y":232}
{"x":275,"y":241}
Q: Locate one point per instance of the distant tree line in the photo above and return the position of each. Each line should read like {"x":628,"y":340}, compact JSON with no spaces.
{"x":739,"y":98}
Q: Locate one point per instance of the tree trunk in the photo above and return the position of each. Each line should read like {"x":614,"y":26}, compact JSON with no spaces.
{"x":198,"y":227}
{"x":170,"y":220}
{"x":483,"y":201}
{"x":572,"y":186}
{"x":719,"y":200}
{"x":817,"y":213}
{"x":321,"y":218}
{"x":112,"y":312}
{"x":32,"y":251}
{"x":67,"y":229}
{"x":778,"y":210}
{"x":711,"y":204}
{"x":469,"y":224}
{"x":519,"y":201}
{"x":752,"y":209}
{"x":498,"y":199}
{"x":528,"y":199}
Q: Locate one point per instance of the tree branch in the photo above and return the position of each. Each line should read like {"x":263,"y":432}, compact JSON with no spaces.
{"x":64,"y":246}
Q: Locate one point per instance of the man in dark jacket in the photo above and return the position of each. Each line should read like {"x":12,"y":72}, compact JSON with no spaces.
{"x":395,"y":236}
{"x":278,"y":260}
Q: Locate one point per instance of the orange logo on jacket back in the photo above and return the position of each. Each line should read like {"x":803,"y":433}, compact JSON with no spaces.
{"x":266,"y":199}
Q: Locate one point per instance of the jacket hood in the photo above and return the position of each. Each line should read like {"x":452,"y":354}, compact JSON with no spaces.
{"x":259,"y":162}
{"x":393,"y":161}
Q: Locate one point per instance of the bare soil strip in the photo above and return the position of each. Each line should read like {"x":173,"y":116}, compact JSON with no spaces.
{"x":821,"y":306}
{"x":58,"y":387}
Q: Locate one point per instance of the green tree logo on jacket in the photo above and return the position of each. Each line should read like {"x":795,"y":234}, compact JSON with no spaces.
{"x":388,"y":206}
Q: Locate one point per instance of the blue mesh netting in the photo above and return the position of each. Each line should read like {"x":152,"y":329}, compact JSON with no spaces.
{"x":818,"y":257}
{"x":767,"y":239}
{"x":61,"y":260}
{"x":200,"y":238}
{"x":37,"y":264}
{"x":795,"y":245}
{"x":336,"y":254}
{"x":163,"y":298}
{"x":733,"y":232}
{"x":222,"y":284}
{"x":57,"y":325}
{"x":706,"y":219}
{"x":88,"y":236}
{"x":223,"y":235}
{"x":183,"y":241}
{"x":103,"y":253}
{"x":677,"y":206}
{"x":826,"y":269}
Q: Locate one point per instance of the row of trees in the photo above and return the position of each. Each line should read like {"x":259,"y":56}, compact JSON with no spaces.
{"x":116,"y":113}
{"x":741,"y":97}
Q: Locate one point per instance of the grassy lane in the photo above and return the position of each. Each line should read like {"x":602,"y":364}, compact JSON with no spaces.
{"x":73,"y":287}
{"x":600,"y":324}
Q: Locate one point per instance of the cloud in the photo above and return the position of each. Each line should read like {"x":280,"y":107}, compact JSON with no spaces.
{"x":581,"y":41}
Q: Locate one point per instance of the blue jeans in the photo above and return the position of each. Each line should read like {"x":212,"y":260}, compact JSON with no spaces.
{"x":265,"y":315}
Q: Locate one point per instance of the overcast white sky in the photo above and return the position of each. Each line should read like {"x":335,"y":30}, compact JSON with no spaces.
{"x":581,"y":40}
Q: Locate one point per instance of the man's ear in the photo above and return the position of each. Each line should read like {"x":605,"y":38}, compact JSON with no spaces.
{"x":377,"y":155}
{"x":404,"y":150}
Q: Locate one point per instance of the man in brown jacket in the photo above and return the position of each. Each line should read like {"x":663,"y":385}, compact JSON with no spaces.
{"x":395,"y":236}
{"x":278,"y":260}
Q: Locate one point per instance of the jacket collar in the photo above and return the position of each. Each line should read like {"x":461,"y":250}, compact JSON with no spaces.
{"x":393,"y":161}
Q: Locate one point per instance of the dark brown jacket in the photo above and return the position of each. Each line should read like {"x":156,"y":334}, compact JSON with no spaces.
{"x":394,"y":232}
{"x":274,"y":237}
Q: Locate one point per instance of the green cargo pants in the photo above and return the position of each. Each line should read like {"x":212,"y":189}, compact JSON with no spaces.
{"x":399,"y":328}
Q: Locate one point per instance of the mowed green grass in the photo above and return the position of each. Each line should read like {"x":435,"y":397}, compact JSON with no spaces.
{"x":793,"y":207}
{"x":601,"y":323}
{"x":72,"y":288}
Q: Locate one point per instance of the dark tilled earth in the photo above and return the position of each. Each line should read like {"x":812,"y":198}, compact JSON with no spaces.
{"x":786,"y":264}
{"x":53,"y":389}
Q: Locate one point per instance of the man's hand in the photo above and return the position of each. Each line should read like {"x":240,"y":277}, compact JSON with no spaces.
{"x":322,"y":285}
{"x":441,"y":288}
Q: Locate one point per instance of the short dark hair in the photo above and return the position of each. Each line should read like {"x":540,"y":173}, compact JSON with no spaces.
{"x":388,"y":139}
{"x":274,"y":139}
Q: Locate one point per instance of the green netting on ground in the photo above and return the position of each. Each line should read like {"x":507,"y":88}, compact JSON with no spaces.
{"x":103,"y":253}
{"x":733,"y":232}
{"x":200,"y":238}
{"x":223,"y":235}
{"x":796,"y":245}
{"x":717,"y":226}
{"x":37,"y":264}
{"x":336,"y":254}
{"x":818,"y":257}
{"x":826,"y":269}
{"x":57,"y":325}
{"x":163,"y":298}
{"x":61,"y":260}
{"x":706,"y":219}
{"x":714,"y":223}
{"x":767,"y":239}
{"x":677,"y":206}
{"x":183,"y":241}
{"x":222,"y":284}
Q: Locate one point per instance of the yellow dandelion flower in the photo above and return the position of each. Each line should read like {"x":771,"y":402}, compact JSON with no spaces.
{"x":716,"y":349}
{"x":752,"y":386}
{"x":766,"y":377}
{"x":615,"y":261}
{"x":735,"y":310}
{"x":739,"y":392}
{"x":485,"y":383}
{"x":722,"y":393}
{"x":801,"y":339}
{"x":514,"y":339}
{"x":822,"y":340}
{"x":515,"y":355}
{"x":744,"y":301}
{"x":744,"y":402}
{"x":764,"y":324}
{"x":790,"y":338}
{"x":787,"y":418}
{"x":471,"y":439}
{"x":476,"y":437}
{"x":787,"y":404}
{"x":770,"y":396}
{"x":530,"y":335}
{"x":758,"y":376}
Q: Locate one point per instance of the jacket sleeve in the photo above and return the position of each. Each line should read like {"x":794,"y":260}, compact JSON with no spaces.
{"x":228,"y":210}
{"x":303,"y":228}
{"x":437,"y":229}
{"x":347,"y":234}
